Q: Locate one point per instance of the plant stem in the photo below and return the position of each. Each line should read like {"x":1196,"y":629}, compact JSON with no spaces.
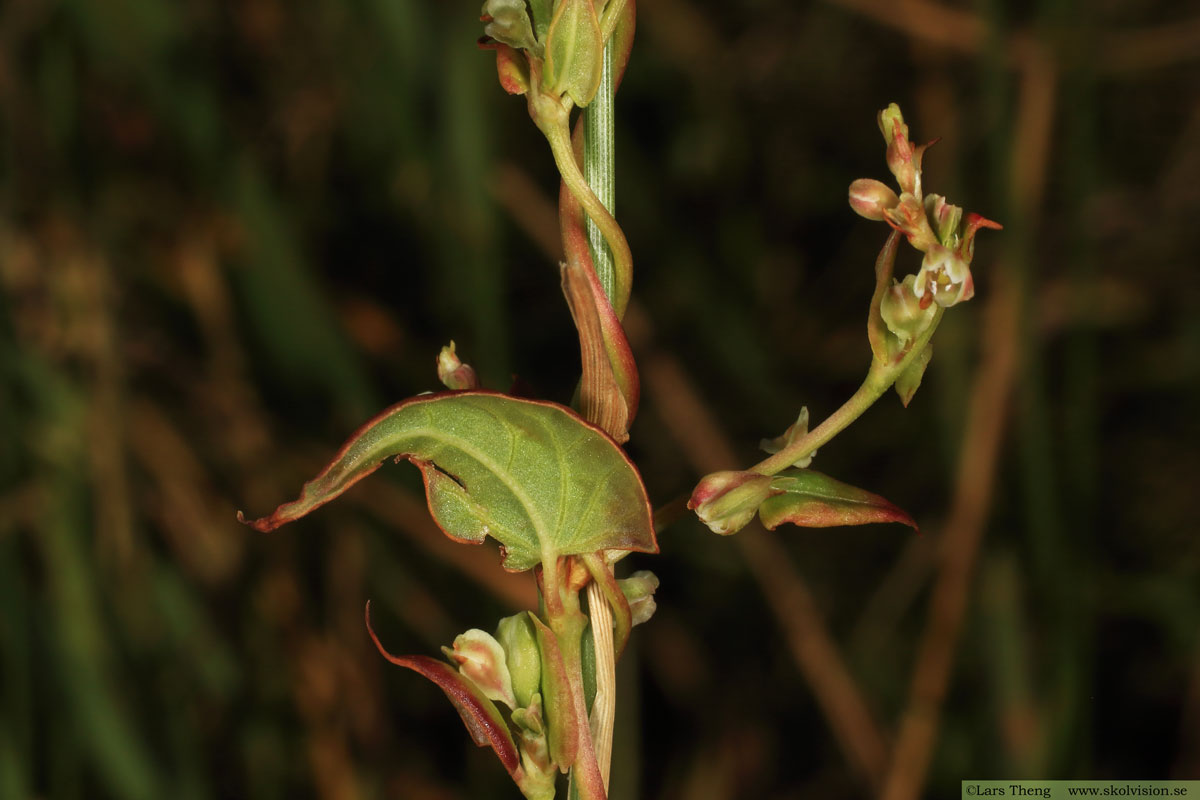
{"x":880,"y":378}
{"x":558,"y":134}
{"x":567,"y":623}
{"x":600,"y":173}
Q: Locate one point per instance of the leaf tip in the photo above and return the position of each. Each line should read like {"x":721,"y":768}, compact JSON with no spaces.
{"x":262,"y":524}
{"x":374,"y":638}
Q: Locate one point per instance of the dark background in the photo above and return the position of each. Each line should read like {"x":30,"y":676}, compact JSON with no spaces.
{"x":232,"y":231}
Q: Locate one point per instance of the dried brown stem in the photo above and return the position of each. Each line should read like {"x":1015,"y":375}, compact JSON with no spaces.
{"x":930,"y":22}
{"x":1151,"y":47}
{"x":933,"y":23}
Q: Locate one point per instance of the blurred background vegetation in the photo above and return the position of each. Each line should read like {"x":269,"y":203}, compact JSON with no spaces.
{"x":231,"y":231}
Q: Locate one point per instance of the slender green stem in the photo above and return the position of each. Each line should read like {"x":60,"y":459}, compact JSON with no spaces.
{"x":871,"y":390}
{"x":559,"y":135}
{"x":599,"y":170}
{"x":880,"y":378}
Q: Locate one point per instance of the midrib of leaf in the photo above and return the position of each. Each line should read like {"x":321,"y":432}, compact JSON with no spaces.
{"x":545,"y":536}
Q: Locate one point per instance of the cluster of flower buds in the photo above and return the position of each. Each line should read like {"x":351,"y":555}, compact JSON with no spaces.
{"x":933,"y":226}
{"x":639,"y":590}
{"x":507,"y":669}
{"x":547,"y":48}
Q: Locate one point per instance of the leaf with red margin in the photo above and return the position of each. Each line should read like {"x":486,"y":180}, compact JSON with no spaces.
{"x":531,"y":474}
{"x":561,"y":722}
{"x":811,"y":499}
{"x":479,"y":714}
{"x":609,"y":389}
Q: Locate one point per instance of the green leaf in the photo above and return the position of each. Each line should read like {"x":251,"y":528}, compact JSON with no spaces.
{"x":542,"y":11}
{"x":561,"y":722}
{"x":811,"y":499}
{"x":609,"y":390}
{"x":479,"y":714}
{"x":574,"y":51}
{"x":531,"y":474}
{"x":910,"y":380}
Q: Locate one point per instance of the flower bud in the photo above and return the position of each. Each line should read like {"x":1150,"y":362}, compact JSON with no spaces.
{"x":903,"y":312}
{"x":727,"y":501}
{"x":639,"y":589}
{"x":909,"y":217}
{"x":901,"y":158}
{"x":891,"y":122}
{"x":481,"y":659}
{"x":944,"y":218}
{"x":453,"y":373}
{"x":524,"y":660}
{"x":508,"y":22}
{"x":540,"y":770}
{"x":869,"y":198}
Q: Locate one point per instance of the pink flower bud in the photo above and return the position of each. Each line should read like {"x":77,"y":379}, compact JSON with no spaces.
{"x":727,"y":501}
{"x":909,"y":218}
{"x":481,"y":659}
{"x":902,"y":159}
{"x":453,"y":373}
{"x":870,"y":198}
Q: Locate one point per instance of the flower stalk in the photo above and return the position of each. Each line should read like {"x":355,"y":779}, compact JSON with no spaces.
{"x":553,"y":122}
{"x":880,"y":377}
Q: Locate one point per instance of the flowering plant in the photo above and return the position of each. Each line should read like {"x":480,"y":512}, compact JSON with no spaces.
{"x":552,"y":484}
